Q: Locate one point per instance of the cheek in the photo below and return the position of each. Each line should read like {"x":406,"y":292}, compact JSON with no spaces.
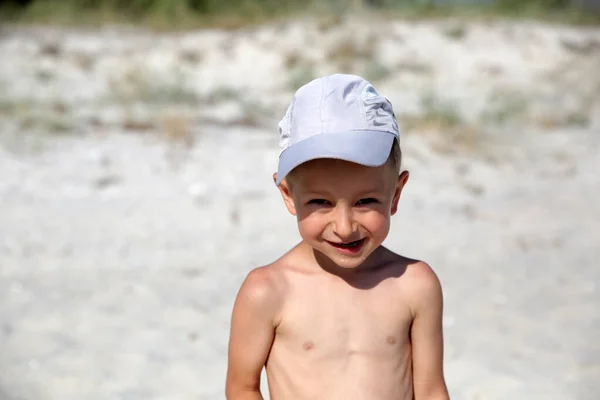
{"x":311,"y":225}
{"x":376,"y":222}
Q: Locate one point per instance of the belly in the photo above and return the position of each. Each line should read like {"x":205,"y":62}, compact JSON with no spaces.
{"x":340,"y":373}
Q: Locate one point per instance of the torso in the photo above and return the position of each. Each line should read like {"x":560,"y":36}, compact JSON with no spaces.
{"x":338,"y":339}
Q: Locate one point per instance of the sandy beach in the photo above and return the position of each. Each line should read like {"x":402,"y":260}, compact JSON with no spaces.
{"x":136,"y":194}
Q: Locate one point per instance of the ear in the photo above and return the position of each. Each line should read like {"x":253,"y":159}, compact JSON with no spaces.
{"x":402,"y":179}
{"x":285,"y":191}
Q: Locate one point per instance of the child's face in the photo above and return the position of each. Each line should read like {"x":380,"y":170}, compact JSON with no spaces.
{"x":343,"y":209}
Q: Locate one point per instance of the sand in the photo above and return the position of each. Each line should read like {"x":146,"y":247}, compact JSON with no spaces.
{"x":136,"y":193}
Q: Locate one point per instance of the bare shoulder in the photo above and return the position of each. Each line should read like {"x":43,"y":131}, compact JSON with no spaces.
{"x":420,"y":283}
{"x":422,"y":275}
{"x":263,"y":290}
{"x":263,"y":284}
{"x":413,"y":272}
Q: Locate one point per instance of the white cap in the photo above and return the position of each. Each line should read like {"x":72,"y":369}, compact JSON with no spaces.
{"x":337,"y":116}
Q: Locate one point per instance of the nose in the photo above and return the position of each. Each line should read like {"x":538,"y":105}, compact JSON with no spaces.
{"x":344,"y":222}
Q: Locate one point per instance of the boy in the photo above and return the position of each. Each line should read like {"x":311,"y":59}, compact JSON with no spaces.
{"x":339,"y":316}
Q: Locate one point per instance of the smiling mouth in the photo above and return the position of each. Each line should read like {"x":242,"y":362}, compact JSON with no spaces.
{"x":350,"y":245}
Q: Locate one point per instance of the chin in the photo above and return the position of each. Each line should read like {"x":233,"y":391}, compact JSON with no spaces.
{"x":342,"y":260}
{"x":350,"y":263}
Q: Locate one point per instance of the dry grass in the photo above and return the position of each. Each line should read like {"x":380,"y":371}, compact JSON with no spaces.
{"x":328,"y":22}
{"x":301,"y":75}
{"x":84,"y":61}
{"x":176,"y":128}
{"x":445,"y":136}
{"x":191,"y":56}
{"x":436,"y":113}
{"x":53,"y":118}
{"x":132,"y":124}
{"x":12,"y":108}
{"x":414,"y":67}
{"x":46,"y":122}
{"x":138,"y":85}
{"x":347,"y":51}
{"x":300,"y":69}
{"x":506,"y":106}
{"x":376,"y":71}
{"x":444,"y":127}
{"x":222,"y":93}
{"x":293,"y":60}
{"x":50,"y":49}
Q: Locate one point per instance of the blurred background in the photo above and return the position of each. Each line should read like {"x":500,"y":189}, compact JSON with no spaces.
{"x":137,"y":143}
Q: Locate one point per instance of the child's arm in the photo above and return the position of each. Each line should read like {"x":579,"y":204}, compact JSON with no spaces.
{"x":251,"y":335}
{"x":427,"y":337}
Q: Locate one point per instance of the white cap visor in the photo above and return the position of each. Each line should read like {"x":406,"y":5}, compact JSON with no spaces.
{"x":370,"y":148}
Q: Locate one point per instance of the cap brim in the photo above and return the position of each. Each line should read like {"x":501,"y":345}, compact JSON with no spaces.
{"x":366,"y":147}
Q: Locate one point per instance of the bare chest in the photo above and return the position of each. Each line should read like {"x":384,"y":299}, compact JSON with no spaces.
{"x":330,"y":322}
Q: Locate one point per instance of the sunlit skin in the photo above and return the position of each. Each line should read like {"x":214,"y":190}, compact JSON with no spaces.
{"x":339,"y":316}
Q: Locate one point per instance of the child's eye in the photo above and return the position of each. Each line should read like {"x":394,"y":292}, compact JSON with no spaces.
{"x":364,"y":202}
{"x":318,"y":202}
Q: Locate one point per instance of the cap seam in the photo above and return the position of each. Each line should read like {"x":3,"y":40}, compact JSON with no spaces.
{"x":322,"y":106}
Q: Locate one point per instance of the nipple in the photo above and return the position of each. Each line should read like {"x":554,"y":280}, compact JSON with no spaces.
{"x":308,"y":345}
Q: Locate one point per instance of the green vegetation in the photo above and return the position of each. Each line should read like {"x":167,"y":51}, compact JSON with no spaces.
{"x":183,"y":14}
